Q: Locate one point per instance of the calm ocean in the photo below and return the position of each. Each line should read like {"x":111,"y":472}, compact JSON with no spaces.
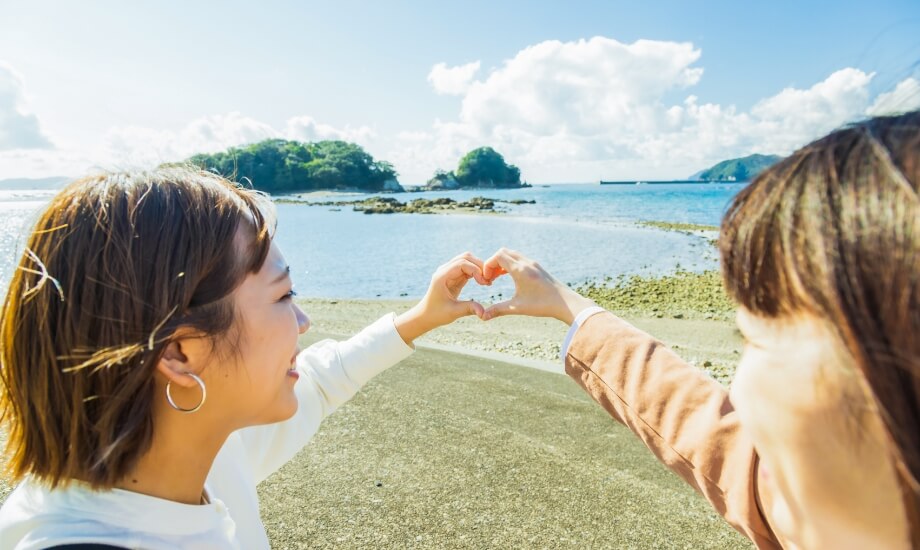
{"x":578,"y":232}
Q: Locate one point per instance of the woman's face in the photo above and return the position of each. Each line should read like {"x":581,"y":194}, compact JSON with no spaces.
{"x":821,"y":445}
{"x":256,"y":385}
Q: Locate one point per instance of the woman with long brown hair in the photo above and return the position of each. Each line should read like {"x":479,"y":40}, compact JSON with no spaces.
{"x":150,"y":374}
{"x":818,"y":443}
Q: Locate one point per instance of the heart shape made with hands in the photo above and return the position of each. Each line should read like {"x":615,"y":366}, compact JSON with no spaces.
{"x":526,"y":275}
{"x":536,"y":292}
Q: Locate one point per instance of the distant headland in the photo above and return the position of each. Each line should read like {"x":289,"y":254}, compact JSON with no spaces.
{"x":738,"y":170}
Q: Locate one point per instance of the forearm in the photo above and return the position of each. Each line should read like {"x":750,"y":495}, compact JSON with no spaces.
{"x":412,"y":324}
{"x":683,"y":416}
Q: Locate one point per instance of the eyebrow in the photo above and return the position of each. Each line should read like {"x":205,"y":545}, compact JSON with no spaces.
{"x":285,"y":273}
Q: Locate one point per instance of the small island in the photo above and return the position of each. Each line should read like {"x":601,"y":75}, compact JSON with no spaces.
{"x":482,"y":168}
{"x":280,"y":166}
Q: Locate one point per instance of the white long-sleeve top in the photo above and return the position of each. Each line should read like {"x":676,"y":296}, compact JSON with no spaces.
{"x":35,"y":517}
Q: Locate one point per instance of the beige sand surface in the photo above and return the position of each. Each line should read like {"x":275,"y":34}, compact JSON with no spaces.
{"x":453,"y":451}
{"x":713,"y":345}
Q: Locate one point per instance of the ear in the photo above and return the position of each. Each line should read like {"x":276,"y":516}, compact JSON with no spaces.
{"x":181,"y":356}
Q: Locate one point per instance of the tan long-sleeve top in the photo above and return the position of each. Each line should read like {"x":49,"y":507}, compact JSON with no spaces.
{"x":680,"y":413}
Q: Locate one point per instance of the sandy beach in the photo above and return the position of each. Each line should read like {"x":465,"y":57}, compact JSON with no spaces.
{"x":478,"y":450}
{"x":477,"y":441}
{"x":712,"y":344}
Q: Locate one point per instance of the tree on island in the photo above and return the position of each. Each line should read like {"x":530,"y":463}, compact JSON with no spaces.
{"x":281,"y":166}
{"x":482,"y":167}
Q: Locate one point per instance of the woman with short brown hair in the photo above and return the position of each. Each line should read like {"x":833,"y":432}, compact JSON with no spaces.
{"x":150,"y":375}
{"x":819,"y":443}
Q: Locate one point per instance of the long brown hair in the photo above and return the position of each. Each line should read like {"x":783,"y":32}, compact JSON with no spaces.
{"x":115,"y":265}
{"x":834,"y":230}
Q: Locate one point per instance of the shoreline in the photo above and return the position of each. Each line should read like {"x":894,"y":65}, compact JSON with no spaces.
{"x":390,"y":205}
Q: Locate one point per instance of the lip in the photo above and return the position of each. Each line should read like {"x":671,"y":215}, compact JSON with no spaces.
{"x":292,"y":372}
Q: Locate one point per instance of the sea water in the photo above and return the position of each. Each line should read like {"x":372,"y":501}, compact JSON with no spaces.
{"x":577,"y":232}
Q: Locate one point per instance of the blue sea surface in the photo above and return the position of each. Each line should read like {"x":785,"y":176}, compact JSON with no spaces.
{"x":578,"y":232}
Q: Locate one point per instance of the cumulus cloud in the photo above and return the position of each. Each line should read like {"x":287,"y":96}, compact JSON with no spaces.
{"x":305,"y":128}
{"x":562,"y":111}
{"x":132,"y":146}
{"x":452,"y":80}
{"x":141,"y":147}
{"x":905,"y":97}
{"x":590,"y":109}
{"x":18,"y":128}
{"x":136,"y":147}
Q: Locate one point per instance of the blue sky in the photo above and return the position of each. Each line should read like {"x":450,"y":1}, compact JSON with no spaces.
{"x":573,"y":91}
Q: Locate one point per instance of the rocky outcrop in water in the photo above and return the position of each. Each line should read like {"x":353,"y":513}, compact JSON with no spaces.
{"x":390,"y":205}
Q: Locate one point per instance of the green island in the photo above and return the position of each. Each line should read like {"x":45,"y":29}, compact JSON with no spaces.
{"x":390,"y":205}
{"x":280,"y":166}
{"x":480,"y":168}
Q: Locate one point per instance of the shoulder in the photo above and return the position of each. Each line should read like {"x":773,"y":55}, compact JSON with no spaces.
{"x":34,"y":516}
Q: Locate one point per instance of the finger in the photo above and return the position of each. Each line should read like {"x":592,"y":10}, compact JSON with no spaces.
{"x":467,"y":256}
{"x":495,"y":273}
{"x":499,"y":264}
{"x":472,"y":307}
{"x":508,"y":307}
{"x":472,"y":271}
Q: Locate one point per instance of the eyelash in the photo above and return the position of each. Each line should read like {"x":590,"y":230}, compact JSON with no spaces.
{"x":289,"y":295}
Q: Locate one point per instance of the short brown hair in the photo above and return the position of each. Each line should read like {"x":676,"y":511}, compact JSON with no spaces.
{"x":834,"y":230}
{"x":116,"y":263}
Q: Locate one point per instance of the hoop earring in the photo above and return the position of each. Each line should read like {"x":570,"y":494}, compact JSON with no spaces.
{"x":204,"y":395}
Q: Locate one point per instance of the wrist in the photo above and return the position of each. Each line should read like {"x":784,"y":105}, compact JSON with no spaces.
{"x":412,"y":324}
{"x":574,"y":304}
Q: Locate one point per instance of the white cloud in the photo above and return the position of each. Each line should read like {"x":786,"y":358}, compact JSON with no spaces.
{"x":18,"y":128}
{"x":905,"y":97}
{"x":452,"y":80}
{"x":304,"y":128}
{"x":582,"y":86}
{"x":591,"y":109}
{"x":136,"y":147}
{"x":139,"y":147}
{"x":562,"y":111}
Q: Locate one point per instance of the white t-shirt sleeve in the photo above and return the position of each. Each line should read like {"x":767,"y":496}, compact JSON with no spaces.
{"x":579,"y":319}
{"x":330,"y":374}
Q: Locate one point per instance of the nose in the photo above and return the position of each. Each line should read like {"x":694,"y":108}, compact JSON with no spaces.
{"x":303,"y":322}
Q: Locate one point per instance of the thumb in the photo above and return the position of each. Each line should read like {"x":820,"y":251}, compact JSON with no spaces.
{"x":472,"y":307}
{"x":508,"y":307}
